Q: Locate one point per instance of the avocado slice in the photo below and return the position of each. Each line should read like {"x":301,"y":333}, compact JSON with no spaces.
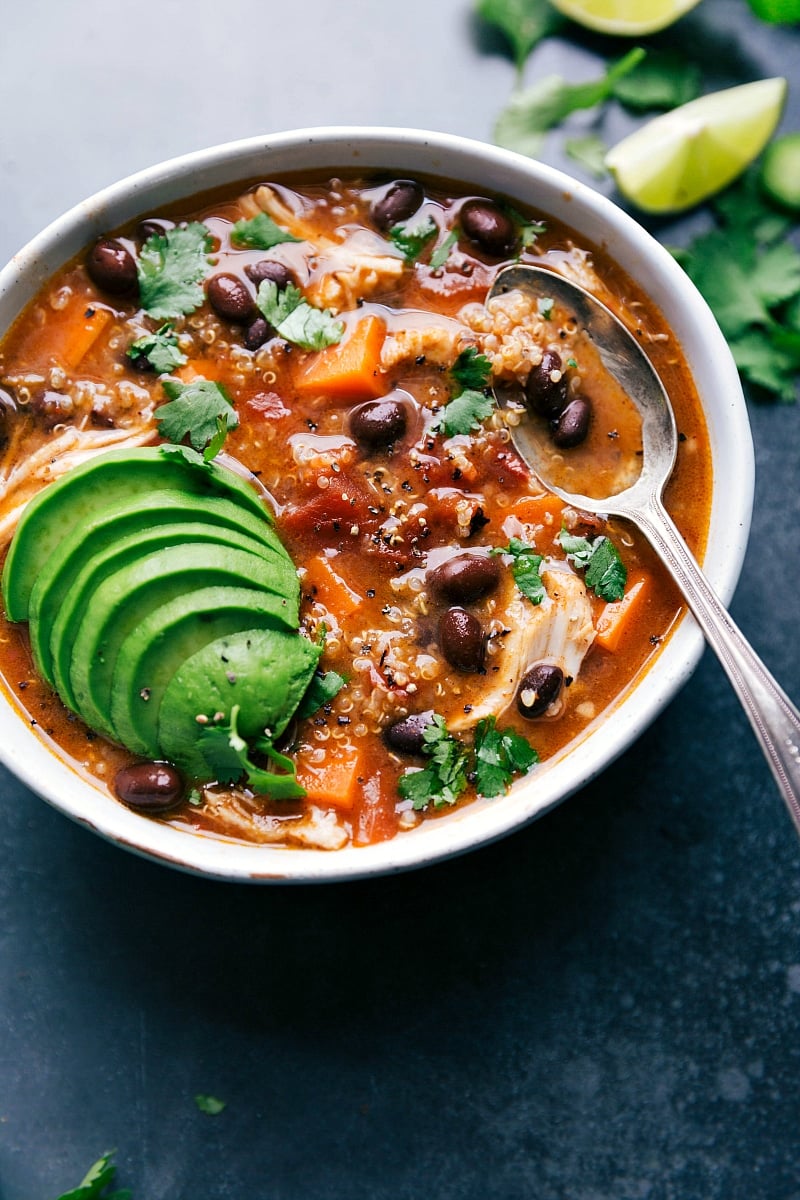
{"x":57,"y":605}
{"x":124,"y":599}
{"x":265,"y":672}
{"x":153,"y":652}
{"x":94,"y":486}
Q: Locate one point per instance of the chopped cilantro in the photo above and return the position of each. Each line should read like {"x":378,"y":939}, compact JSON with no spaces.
{"x":472,"y":369}
{"x":526,"y":569}
{"x":171,"y":269}
{"x":295,"y":319}
{"x":528,"y":230}
{"x":590,"y":152}
{"x":209,"y":1104}
{"x":322,"y":689}
{"x":662,"y":80}
{"x":97,"y":1179}
{"x":195,"y":797}
{"x":524,"y":23}
{"x":195,"y":410}
{"x":184,"y":453}
{"x":260,"y":233}
{"x":606,"y":574}
{"x":499,"y":755}
{"x":530,"y":113}
{"x":160,"y":349}
{"x":445,"y":778}
{"x":465,"y":412}
{"x":229,"y":757}
{"x":411,"y":240}
{"x":572,"y":362}
{"x":218,"y":440}
{"x":545,"y":305}
{"x":442,"y":252}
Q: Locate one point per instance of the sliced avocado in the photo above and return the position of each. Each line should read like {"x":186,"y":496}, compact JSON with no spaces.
{"x":56,"y":610}
{"x":153,"y":652}
{"x":124,"y":599}
{"x":52,"y":645}
{"x":265,"y":672}
{"x":102,"y":481}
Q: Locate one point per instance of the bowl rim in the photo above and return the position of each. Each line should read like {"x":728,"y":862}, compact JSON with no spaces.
{"x":370,"y":148}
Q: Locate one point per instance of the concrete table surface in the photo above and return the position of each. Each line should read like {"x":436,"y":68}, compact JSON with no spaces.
{"x":605,"y":1006}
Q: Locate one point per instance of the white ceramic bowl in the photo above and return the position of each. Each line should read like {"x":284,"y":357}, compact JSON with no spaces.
{"x":482,"y":168}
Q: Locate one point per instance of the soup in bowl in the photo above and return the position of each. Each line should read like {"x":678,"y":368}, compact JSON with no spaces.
{"x":281,"y":600}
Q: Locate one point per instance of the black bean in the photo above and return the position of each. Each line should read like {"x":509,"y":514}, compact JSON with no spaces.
{"x":540,"y":686}
{"x":112,"y":268}
{"x":399,"y":202}
{"x":154,"y":227}
{"x":230,"y":298}
{"x":462,"y":640}
{"x":258,"y":332}
{"x":465,"y":578}
{"x":268,"y":268}
{"x":572,"y":426}
{"x":406,"y":736}
{"x":491,"y":230}
{"x":149,"y":787}
{"x":546,"y":386}
{"x":379,"y":422}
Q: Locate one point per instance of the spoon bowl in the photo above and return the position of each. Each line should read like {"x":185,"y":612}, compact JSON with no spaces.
{"x":775,"y":720}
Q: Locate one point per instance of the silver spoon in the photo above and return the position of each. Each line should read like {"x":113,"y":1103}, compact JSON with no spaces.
{"x":775,"y":720}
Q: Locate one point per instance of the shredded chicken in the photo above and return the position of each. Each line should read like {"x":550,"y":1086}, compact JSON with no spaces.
{"x":363,"y":265}
{"x":439,"y":341}
{"x":239,"y":816}
{"x":557,"y":631}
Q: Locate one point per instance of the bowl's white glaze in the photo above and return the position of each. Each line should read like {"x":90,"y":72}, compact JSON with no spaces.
{"x":483,"y":169}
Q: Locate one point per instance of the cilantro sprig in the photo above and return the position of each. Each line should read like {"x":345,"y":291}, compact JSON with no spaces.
{"x":171,"y":270}
{"x":495,"y":757}
{"x":410,"y":239}
{"x":260,"y":233}
{"x":471,"y":404}
{"x":160,"y":349}
{"x":228,"y":755}
{"x":96,"y":1181}
{"x":606,"y":573}
{"x":526,"y":568}
{"x":295,"y":320}
{"x":442,"y":251}
{"x":201,"y":410}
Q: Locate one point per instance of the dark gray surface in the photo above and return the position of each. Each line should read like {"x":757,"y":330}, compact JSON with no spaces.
{"x":606,"y":1006}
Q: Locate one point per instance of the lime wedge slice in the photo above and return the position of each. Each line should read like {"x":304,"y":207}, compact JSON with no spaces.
{"x":679,"y":159}
{"x":624,"y":18}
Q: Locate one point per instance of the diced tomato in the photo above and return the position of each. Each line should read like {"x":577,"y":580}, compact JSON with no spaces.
{"x":336,"y":509}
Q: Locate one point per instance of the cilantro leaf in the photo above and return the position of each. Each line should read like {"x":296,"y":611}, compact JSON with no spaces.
{"x":322,"y":689}
{"x":524,"y":23}
{"x":472,"y":369}
{"x":777,"y":12}
{"x":260,"y":233}
{"x":530,"y":113}
{"x":606,"y":573}
{"x":526,"y":569}
{"x":218,"y":440}
{"x":465,"y":412}
{"x":499,"y":755}
{"x":295,"y":319}
{"x":744,"y":206}
{"x":229,"y":758}
{"x":194,"y":410}
{"x":94,"y":1183}
{"x":183,"y":453}
{"x":442,"y":252}
{"x":411,"y":240}
{"x":171,"y":269}
{"x":662,"y":80}
{"x":209,"y":1104}
{"x":764,"y":362}
{"x":445,"y":778}
{"x":590,"y":152}
{"x":160,"y":349}
{"x":528,"y":230}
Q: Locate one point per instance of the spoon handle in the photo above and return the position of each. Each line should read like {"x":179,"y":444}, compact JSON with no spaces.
{"x":775,"y":720}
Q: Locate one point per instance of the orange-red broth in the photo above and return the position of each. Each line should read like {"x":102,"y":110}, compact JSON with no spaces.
{"x":343,"y":536}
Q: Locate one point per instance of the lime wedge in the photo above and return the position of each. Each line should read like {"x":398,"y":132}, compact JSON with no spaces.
{"x":624,"y":18}
{"x":679,"y":159}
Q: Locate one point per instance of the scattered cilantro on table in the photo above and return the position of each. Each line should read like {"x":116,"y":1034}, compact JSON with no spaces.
{"x":295,"y":320}
{"x":523,"y":22}
{"x":229,"y":757}
{"x":662,"y":80}
{"x":96,"y":1181}
{"x":471,"y":404}
{"x":196,"y":410}
{"x":525,"y":567}
{"x":410,"y":239}
{"x":606,"y":573}
{"x":210,"y":1105}
{"x":499,"y":755}
{"x":589,"y":152}
{"x":160,"y":349}
{"x":171,"y":270}
{"x":260,"y":233}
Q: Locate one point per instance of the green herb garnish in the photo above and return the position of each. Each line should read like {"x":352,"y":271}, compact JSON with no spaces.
{"x":442,"y":253}
{"x":472,"y":369}
{"x":209,"y":1104}
{"x":196,"y":410}
{"x":660,"y":81}
{"x":526,"y":569}
{"x":499,"y":755}
{"x":411,"y":240}
{"x":324,"y":686}
{"x":171,"y":269}
{"x":97,"y":1179}
{"x":545,"y":306}
{"x":590,"y":152}
{"x":470,"y":406}
{"x":605,"y":574}
{"x":295,"y":320}
{"x":160,"y":349}
{"x":229,"y":758}
{"x":524,"y":23}
{"x":260,"y":233}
